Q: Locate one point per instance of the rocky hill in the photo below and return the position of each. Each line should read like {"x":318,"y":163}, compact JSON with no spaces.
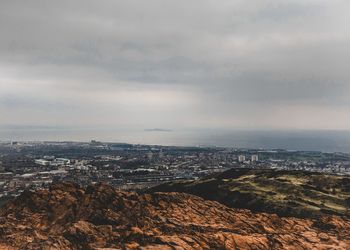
{"x":286,"y":193}
{"x":99,"y":217}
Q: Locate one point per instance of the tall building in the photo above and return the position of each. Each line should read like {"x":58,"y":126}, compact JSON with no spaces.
{"x":150,"y":155}
{"x":255,"y":158}
{"x":241,"y":158}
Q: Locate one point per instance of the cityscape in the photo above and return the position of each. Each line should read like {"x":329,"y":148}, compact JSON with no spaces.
{"x":174,"y":125}
{"x":36,"y":165}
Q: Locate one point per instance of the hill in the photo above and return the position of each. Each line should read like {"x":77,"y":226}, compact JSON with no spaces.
{"x":286,"y":193}
{"x":100,"y":217}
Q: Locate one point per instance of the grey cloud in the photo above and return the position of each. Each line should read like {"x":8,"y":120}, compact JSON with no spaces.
{"x":14,"y":102}
{"x":224,"y":56}
{"x":158,"y":130}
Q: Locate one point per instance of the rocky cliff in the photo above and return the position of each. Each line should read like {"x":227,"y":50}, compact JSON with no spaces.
{"x":99,"y":217}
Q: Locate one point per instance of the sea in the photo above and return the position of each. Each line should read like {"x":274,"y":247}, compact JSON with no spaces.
{"x":305,"y":140}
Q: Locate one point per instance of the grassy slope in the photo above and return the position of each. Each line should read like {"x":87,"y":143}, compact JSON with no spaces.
{"x":287,"y":193}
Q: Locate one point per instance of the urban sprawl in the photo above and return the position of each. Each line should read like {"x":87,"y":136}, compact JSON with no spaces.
{"x":35,"y":165}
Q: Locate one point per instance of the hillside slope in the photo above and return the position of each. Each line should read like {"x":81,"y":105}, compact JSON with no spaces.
{"x":98,"y":217}
{"x":287,"y":193}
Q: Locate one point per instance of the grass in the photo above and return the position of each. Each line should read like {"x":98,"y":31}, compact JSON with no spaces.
{"x":287,"y":193}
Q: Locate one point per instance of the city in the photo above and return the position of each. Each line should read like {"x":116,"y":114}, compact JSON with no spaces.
{"x":36,"y":165}
{"x":174,"y":125}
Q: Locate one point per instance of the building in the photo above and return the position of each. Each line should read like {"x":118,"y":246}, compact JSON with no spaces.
{"x":49,"y":157}
{"x":241,"y":158}
{"x":42,"y":162}
{"x":150,"y":155}
{"x":255,"y":158}
{"x":62,"y":161}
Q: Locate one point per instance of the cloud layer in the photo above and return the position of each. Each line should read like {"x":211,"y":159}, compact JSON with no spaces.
{"x":175,"y":64}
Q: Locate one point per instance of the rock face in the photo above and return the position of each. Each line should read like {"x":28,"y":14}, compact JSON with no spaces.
{"x":99,"y":217}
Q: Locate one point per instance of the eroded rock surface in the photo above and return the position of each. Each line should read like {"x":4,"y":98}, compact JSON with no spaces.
{"x":99,"y":217}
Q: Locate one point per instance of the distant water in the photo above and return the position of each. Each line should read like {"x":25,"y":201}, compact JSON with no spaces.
{"x":326,"y":141}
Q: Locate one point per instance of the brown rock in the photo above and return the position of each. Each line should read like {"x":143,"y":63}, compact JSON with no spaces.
{"x":99,"y":217}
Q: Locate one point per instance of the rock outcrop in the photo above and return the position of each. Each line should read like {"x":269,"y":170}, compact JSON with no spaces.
{"x":100,"y":217}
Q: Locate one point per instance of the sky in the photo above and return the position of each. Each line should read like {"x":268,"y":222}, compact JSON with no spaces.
{"x":162,"y":65}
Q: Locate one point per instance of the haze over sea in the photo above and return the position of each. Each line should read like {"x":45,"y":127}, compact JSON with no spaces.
{"x":313,"y":140}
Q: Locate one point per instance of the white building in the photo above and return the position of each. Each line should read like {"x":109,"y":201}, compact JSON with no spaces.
{"x":61,"y":161}
{"x":241,"y":158}
{"x":255,"y":158}
{"x":49,"y":157}
{"x":42,"y":162}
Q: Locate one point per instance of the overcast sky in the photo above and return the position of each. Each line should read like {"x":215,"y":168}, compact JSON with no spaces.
{"x":176,"y":64}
